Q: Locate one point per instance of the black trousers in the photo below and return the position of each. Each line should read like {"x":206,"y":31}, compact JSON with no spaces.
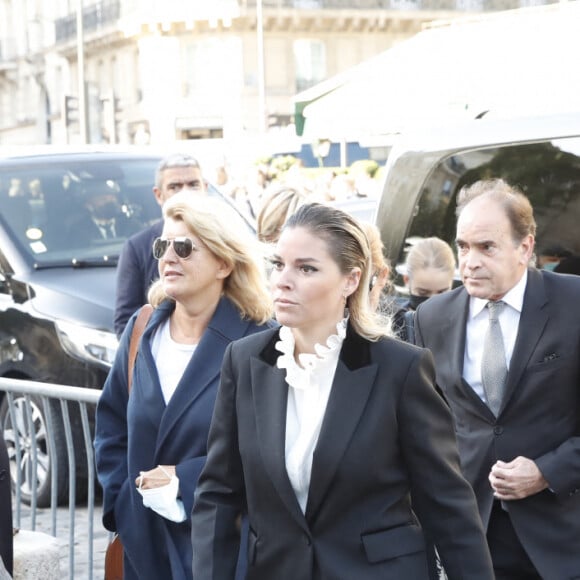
{"x":510,"y":560}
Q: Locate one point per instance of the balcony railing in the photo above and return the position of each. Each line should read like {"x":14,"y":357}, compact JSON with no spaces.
{"x":95,"y":17}
{"x":107,"y":12}
{"x":435,"y":5}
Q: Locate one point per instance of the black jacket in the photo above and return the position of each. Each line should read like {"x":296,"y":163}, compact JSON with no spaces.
{"x":136,"y":271}
{"x":386,"y":439}
{"x":539,"y":418}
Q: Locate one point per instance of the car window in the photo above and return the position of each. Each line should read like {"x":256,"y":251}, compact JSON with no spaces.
{"x":76,"y":210}
{"x":548,"y":172}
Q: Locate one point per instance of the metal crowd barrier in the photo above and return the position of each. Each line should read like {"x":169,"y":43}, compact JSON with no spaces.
{"x":77,"y":400}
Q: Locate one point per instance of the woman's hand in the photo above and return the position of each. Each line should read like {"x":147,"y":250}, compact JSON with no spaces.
{"x":157,"y":477}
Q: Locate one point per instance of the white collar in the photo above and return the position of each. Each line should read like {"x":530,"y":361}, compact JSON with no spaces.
{"x":513,"y":298}
{"x":300,"y":376}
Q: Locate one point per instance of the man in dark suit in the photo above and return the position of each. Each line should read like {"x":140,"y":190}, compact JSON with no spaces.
{"x":516,"y":413}
{"x":101,"y":218}
{"x":6,"y":532}
{"x":137,"y":268}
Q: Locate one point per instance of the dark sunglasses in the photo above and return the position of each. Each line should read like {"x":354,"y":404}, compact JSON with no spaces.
{"x":183,"y":247}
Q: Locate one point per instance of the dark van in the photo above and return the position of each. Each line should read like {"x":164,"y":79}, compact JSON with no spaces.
{"x":426,"y":170}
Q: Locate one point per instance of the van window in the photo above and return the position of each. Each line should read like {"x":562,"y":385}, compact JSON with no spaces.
{"x":547,"y":172}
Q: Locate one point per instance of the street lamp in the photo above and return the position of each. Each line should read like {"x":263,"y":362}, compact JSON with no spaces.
{"x":321,"y":149}
{"x":83,"y":117}
{"x":261,"y":68}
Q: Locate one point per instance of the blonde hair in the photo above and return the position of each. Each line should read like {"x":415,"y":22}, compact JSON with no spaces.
{"x":228,"y":238}
{"x":275,"y":210}
{"x":349,"y":247}
{"x":431,"y":253}
{"x":376,"y":245}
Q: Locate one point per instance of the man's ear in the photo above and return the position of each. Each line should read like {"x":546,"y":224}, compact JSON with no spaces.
{"x":157,"y":194}
{"x":527,"y":247}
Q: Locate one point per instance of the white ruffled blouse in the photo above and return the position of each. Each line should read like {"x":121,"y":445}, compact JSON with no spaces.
{"x":310,"y":384}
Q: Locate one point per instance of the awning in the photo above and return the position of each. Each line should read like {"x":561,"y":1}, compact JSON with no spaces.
{"x":509,"y":63}
{"x":311,"y":95}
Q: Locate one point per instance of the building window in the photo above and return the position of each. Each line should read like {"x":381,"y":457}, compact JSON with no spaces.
{"x":309,"y":63}
{"x":212,"y":65}
{"x":405,"y":4}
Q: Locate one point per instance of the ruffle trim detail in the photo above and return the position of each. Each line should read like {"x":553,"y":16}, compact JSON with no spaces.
{"x":302,"y":376}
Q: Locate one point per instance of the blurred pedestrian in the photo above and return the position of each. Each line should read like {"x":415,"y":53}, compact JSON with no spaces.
{"x":325,"y":429}
{"x":429,"y":270}
{"x":151,"y":444}
{"x":550,"y":255}
{"x":569,"y":265}
{"x":506,"y":350}
{"x":137,"y":269}
{"x":276,"y":209}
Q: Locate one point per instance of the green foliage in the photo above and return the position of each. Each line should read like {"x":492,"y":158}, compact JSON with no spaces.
{"x":282,"y":163}
{"x":368,"y":166}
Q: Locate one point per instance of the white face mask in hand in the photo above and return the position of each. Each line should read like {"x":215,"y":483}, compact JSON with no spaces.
{"x":163,"y":500}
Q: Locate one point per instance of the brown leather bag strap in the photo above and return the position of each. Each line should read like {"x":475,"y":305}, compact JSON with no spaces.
{"x":140,"y":324}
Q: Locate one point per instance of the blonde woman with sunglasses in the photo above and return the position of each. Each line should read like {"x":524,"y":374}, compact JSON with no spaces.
{"x":151,"y":443}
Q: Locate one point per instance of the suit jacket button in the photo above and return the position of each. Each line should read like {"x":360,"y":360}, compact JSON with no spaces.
{"x":498,"y":430}
{"x":307,"y":540}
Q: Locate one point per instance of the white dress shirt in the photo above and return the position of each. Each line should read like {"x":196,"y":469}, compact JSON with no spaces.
{"x":477,"y":323}
{"x":310,"y":384}
{"x":171,"y":358}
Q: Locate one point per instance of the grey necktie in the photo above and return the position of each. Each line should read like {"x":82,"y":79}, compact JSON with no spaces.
{"x":493,"y":365}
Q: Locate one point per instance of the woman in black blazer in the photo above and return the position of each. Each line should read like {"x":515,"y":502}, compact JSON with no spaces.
{"x":330,"y":435}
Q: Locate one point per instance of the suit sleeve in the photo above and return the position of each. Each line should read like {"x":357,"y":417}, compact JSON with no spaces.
{"x":561,"y":467}
{"x":129,"y":289}
{"x":442,"y":498}
{"x":219,"y":497}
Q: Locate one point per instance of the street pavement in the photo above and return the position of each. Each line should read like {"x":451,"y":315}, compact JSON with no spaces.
{"x":81,"y":538}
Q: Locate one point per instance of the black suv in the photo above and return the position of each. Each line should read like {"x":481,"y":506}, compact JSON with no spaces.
{"x":57,"y":278}
{"x":426,"y":170}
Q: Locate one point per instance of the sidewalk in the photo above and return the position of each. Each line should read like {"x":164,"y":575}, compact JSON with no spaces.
{"x":81,"y":535}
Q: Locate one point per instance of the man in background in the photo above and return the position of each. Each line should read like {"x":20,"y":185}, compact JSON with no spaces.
{"x":137,"y":268}
{"x":101,"y":217}
{"x":506,"y":347}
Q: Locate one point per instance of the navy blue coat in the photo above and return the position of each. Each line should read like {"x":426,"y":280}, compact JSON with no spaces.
{"x":138,"y":432}
{"x":136,"y":271}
